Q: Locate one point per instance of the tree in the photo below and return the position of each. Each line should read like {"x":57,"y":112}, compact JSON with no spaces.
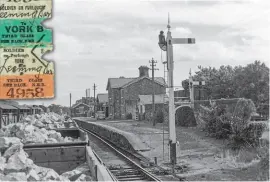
{"x":251,"y":82}
{"x":57,"y":109}
{"x":185,"y":84}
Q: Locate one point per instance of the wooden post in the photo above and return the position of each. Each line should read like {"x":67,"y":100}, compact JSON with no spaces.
{"x":95,"y":86}
{"x":18,"y":115}
{"x":153,"y":89}
{"x":70,"y":105}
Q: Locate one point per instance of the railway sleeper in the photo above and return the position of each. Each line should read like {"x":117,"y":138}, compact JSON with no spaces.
{"x":132,"y":178}
{"x":124,"y":170}
{"x":119,"y":173}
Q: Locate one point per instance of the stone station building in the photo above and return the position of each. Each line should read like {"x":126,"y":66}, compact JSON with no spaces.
{"x":123,"y":93}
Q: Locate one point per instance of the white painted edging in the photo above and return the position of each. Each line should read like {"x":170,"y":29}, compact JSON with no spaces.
{"x":98,"y":170}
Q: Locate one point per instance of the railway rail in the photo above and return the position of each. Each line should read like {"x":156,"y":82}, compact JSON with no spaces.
{"x":122,"y":165}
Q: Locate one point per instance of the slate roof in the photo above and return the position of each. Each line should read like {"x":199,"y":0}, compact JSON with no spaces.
{"x":76,"y":105}
{"x":122,"y":82}
{"x":147,"y":99}
{"x":33,"y":107}
{"x":21,"y":107}
{"x":158,"y":80}
{"x":102,"y":98}
{"x":118,"y":82}
{"x":5,"y":106}
{"x":11,"y":105}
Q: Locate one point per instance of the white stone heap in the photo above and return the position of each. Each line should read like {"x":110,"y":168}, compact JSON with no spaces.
{"x":50,"y":121}
{"x":35,"y":129}
{"x":14,"y":162}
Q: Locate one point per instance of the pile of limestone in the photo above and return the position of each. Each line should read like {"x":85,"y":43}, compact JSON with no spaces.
{"x":33,"y":130}
{"x":14,"y":162}
{"x":16,"y":166}
{"x":50,"y":121}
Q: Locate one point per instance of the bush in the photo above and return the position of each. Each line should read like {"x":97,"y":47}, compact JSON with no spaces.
{"x":184,"y":116}
{"x":244,"y":109}
{"x":129,"y":116}
{"x":248,"y":135}
{"x":217,"y":121}
{"x":243,"y":133}
{"x":220,"y":123}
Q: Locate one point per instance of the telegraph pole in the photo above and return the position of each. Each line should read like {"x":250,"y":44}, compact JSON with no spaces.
{"x":70,"y":104}
{"x":152,"y":64}
{"x":167,"y":45}
{"x":95,"y":99}
{"x":87,"y":98}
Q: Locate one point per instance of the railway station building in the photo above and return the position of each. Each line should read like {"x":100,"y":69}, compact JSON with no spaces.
{"x":82,"y":110}
{"x":123,"y":93}
{"x":102,"y":103}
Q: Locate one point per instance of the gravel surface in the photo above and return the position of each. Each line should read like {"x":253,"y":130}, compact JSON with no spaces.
{"x":198,"y":157}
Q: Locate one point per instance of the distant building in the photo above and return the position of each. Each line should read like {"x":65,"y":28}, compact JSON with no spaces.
{"x":181,"y":95}
{"x":199,"y":94}
{"x":123,"y":93}
{"x":145,"y":105}
{"x":85,"y":100}
{"x":82,"y":110}
{"x":102,"y":103}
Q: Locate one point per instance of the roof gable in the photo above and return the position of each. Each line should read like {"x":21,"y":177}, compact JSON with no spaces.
{"x":118,"y":82}
{"x":76,"y":105}
{"x":158,"y":80}
{"x":6,"y":106}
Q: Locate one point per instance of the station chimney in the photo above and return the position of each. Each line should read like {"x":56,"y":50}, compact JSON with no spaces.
{"x":143,"y":71}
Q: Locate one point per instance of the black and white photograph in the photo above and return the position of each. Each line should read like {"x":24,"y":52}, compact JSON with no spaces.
{"x":136,"y":91}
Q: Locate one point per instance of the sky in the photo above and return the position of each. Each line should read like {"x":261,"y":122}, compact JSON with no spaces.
{"x":97,"y":40}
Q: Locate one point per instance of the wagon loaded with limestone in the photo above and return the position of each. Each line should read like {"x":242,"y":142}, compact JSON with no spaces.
{"x":29,"y":152}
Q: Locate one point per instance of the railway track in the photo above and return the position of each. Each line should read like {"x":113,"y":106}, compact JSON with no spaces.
{"x":122,"y":165}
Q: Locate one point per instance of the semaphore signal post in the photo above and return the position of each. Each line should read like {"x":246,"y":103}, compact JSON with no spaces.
{"x":167,"y":45}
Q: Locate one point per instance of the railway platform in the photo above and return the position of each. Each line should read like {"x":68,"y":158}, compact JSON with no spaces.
{"x":198,"y":157}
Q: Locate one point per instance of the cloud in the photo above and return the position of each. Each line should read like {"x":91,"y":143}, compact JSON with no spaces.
{"x":95,"y":40}
{"x":181,"y":31}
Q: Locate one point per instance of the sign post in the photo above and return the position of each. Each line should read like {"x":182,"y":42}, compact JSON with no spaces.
{"x":168,"y":47}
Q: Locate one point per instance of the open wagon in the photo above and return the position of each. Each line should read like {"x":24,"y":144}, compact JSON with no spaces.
{"x":67,"y":156}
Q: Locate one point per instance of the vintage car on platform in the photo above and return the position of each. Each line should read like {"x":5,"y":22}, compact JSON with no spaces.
{"x":100,"y":115}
